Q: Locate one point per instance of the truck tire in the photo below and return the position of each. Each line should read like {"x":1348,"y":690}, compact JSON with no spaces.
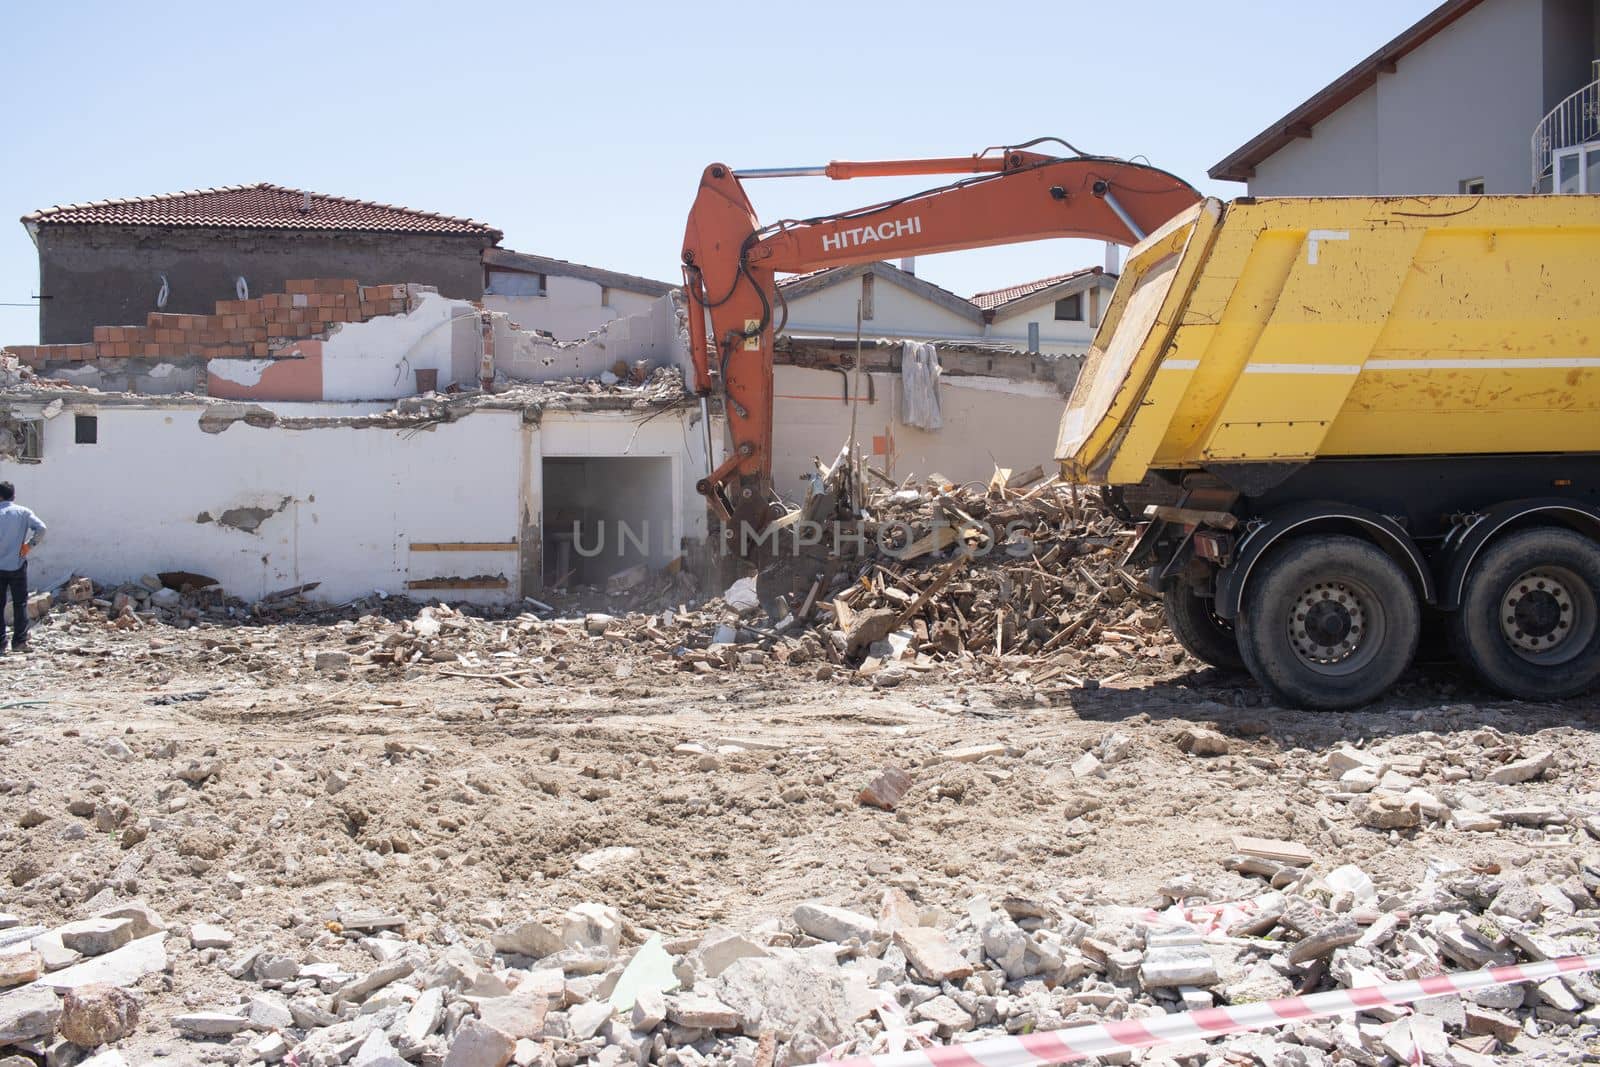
{"x":1203,"y":634}
{"x":1529,"y":621}
{"x":1330,"y":622}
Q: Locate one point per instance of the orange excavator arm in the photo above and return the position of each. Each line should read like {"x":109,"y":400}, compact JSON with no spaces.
{"x":730,"y":263}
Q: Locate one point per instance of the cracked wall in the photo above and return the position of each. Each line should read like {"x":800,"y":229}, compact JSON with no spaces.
{"x":265,"y":497}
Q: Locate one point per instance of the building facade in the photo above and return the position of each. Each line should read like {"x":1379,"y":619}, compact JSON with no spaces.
{"x":354,"y":445}
{"x":1479,"y":96}
{"x":116,"y":261}
{"x":1050,"y":316}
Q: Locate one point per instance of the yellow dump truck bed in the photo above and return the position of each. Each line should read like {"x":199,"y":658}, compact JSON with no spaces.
{"x":1289,"y":329}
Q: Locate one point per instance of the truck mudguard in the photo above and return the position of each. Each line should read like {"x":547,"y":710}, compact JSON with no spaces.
{"x":1466,"y":543}
{"x":1315,"y":516}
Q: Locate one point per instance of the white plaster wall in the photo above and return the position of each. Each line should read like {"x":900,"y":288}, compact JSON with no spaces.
{"x":1056,"y":337}
{"x":1463,"y":105}
{"x":897,"y":312}
{"x":986,"y":421}
{"x":1339,"y":159}
{"x":357,"y":498}
{"x":570,"y":309}
{"x":376,"y":359}
{"x":656,"y":335}
{"x":901,"y":314}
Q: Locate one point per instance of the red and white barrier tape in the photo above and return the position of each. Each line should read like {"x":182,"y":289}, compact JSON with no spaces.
{"x":1100,"y":1039}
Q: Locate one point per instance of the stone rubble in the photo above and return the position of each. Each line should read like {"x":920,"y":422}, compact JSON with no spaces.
{"x":587,"y":986}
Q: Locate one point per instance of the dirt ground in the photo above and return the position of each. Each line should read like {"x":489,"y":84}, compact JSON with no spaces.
{"x":449,"y":799}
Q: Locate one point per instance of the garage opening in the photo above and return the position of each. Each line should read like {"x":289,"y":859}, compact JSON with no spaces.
{"x":604,"y":514}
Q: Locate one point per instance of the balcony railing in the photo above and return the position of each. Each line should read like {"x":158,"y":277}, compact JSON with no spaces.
{"x":1574,"y":121}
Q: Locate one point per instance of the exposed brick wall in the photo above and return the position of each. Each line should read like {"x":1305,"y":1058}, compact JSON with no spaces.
{"x":262,"y":328}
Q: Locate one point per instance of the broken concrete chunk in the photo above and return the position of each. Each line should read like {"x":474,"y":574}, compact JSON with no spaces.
{"x":719,"y":949}
{"x":1185,"y":965}
{"x":28,"y":1014}
{"x":527,"y":938}
{"x":700,"y":1012}
{"x":424,"y":1017}
{"x":592,"y":926}
{"x":649,"y":1009}
{"x":650,"y":968}
{"x":1086,"y":765}
{"x":376,"y":1051}
{"x":827,"y":923}
{"x":122,"y":967}
{"x":886,"y":790}
{"x":789,"y":995}
{"x":1291,"y":853}
{"x":1523,"y":770}
{"x":144,"y":919}
{"x":477,"y":1044}
{"x":946,"y":1014}
{"x":96,"y":937}
{"x":208,"y":935}
{"x":518,"y":1015}
{"x":1348,"y":758}
{"x":211,"y":1023}
{"x":931,"y":955}
{"x":20,"y":968}
{"x":1322,"y":942}
{"x":95,"y":1015}
{"x":972,"y":753}
{"x":1383,"y":811}
{"x":358,"y":989}
{"x":1198,"y":741}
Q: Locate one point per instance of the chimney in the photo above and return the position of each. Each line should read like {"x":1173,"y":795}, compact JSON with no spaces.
{"x":1113,"y":258}
{"x":305,"y":203}
{"x":909,"y":265}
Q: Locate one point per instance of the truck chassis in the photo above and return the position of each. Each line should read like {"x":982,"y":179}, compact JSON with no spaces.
{"x":1319,"y":577}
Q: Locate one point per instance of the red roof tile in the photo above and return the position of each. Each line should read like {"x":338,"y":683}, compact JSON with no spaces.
{"x":997,"y":297}
{"x":260,"y":206}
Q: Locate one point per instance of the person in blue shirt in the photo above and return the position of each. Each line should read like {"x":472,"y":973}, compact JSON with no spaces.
{"x":20,"y":530}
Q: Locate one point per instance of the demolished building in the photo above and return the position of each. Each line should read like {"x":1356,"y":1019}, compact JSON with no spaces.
{"x":366,"y":438}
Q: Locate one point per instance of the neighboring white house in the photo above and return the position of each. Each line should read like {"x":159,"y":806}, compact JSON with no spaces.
{"x":1479,"y":96}
{"x":1053,"y":316}
{"x":568,"y":300}
{"x":1008,"y":357}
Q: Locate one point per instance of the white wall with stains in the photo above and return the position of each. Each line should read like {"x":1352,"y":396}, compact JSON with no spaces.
{"x":263,"y":509}
{"x":987,"y":422}
{"x":569,"y":308}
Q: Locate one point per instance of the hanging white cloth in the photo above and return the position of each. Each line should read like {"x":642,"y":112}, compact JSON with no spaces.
{"x":919,"y":384}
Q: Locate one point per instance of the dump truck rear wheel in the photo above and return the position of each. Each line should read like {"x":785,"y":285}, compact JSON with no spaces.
{"x":1529,"y":622}
{"x":1203,"y":633}
{"x":1328,"y":623}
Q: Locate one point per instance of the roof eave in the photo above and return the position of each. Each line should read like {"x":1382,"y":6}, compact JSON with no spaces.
{"x":34,"y":223}
{"x":1050,"y":294}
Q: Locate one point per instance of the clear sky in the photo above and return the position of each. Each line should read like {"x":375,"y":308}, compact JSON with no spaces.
{"x":581,"y":129}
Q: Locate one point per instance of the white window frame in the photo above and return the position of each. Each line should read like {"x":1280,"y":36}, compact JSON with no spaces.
{"x":1580,"y":153}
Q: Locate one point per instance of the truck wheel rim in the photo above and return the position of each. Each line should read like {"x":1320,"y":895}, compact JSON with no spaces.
{"x":1547,"y":615}
{"x":1334,"y":626}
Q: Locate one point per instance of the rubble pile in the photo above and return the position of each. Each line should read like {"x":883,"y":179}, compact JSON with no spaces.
{"x":586,"y":985}
{"x":1017,"y":578}
{"x":13,"y":372}
{"x":649,"y":387}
